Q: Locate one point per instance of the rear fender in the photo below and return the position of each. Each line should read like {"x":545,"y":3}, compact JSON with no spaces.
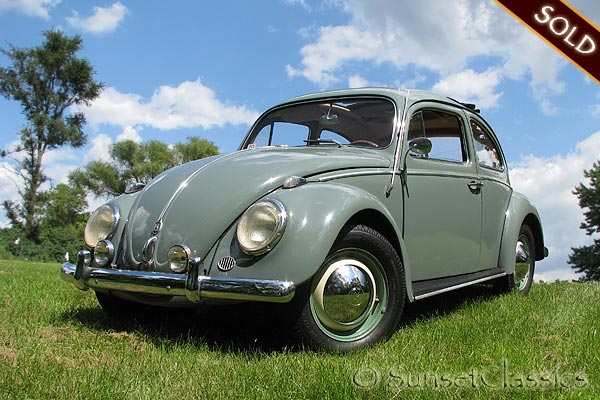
{"x":520,"y":211}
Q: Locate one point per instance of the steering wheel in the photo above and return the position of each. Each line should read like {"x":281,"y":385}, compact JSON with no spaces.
{"x":364,"y":141}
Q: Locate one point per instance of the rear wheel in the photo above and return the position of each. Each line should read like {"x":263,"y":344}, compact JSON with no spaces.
{"x":357,"y":296}
{"x":522,"y":277}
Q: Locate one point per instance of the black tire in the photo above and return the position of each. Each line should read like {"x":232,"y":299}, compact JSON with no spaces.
{"x":522,"y":277}
{"x":357,"y":296}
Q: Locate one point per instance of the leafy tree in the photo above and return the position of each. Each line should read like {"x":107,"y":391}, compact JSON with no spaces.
{"x":137,"y":161}
{"x":62,"y":221}
{"x":586,"y":259}
{"x":46,"y":80}
{"x":64,"y":205}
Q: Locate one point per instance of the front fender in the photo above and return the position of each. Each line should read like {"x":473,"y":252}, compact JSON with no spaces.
{"x":317,"y":212}
{"x":520,"y":210}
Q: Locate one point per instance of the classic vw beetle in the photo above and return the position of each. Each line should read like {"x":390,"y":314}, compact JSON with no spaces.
{"x":345,"y":203}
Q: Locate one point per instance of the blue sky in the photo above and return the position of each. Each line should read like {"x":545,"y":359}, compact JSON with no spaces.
{"x":205,"y":68}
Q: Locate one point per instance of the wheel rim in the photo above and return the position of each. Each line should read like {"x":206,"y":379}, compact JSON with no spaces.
{"x":523,"y":262}
{"x":350,"y":295}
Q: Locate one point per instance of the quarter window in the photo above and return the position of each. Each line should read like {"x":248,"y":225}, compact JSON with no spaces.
{"x":444,"y":130}
{"x":488,"y":154}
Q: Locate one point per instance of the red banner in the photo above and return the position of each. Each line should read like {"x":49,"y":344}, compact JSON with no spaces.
{"x":562,"y":27}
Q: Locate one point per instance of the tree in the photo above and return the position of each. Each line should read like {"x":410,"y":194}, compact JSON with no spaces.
{"x":46,"y":80}
{"x":137,"y":161}
{"x":586,"y":259}
{"x":61,"y":226}
{"x":64,"y":205}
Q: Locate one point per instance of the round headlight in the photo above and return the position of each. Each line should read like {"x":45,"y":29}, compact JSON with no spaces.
{"x":104,"y":252}
{"x":179,"y":257}
{"x":102,"y":224}
{"x":261,"y":226}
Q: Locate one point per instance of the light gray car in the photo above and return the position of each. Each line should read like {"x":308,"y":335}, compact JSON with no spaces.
{"x":345,"y":204}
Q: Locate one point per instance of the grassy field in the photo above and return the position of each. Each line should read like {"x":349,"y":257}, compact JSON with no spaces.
{"x":56,"y":343}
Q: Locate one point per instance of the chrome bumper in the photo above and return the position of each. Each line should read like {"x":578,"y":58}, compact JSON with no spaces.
{"x":192,"y":286}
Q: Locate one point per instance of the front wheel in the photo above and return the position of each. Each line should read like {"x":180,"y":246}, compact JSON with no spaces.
{"x":357,"y":296}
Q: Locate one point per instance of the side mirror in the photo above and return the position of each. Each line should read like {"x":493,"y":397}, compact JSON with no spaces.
{"x":420,"y":146}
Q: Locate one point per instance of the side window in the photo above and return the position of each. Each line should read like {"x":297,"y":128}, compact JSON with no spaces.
{"x":488,"y":154}
{"x":445,"y":132}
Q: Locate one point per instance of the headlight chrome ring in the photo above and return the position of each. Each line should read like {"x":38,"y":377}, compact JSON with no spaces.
{"x":261,"y":226}
{"x":101,"y":224}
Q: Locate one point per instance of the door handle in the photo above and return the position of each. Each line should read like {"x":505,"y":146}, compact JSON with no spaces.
{"x":475,"y":186}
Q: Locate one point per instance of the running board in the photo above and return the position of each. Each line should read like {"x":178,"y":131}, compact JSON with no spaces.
{"x":432,"y":287}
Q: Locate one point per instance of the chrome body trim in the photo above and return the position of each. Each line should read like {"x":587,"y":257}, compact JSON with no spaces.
{"x":352,"y":175}
{"x":191,"y":285}
{"x":459,"y":286}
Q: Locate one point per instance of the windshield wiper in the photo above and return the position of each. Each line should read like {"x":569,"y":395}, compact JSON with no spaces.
{"x":319,"y":141}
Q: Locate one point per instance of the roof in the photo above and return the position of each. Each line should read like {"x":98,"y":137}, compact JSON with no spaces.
{"x":415,"y":95}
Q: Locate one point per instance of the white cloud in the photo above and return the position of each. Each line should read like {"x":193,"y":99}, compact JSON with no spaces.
{"x":99,"y":149}
{"x":470,"y":86}
{"x":549,"y":183}
{"x":8,"y":188}
{"x":189,"y":105}
{"x":130,"y":133}
{"x":335,"y":46}
{"x":102,"y":20}
{"x":34,"y":8}
{"x":418,"y":34}
{"x":357,"y":81}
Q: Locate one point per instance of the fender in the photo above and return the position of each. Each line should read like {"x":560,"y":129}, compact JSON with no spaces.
{"x":317,"y":212}
{"x":520,"y":210}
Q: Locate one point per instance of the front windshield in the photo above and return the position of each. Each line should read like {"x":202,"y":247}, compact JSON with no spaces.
{"x":365,"y":122}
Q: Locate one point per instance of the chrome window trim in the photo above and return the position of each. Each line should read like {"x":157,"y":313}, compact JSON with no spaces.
{"x":244,"y":144}
{"x":490,"y":132}
{"x":418,"y":172}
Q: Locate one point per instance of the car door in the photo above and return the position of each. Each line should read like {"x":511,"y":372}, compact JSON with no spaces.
{"x":442,"y":197}
{"x":495,"y":192}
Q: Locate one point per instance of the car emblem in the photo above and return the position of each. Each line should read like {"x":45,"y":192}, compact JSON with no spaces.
{"x":157,"y":227}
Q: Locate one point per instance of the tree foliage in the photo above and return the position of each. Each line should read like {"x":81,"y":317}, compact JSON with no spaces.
{"x":137,"y":161}
{"x":62,"y":220}
{"x":46,"y":81}
{"x":586,"y":259}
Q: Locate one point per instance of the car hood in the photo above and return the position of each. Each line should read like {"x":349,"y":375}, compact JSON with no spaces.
{"x":194,"y":203}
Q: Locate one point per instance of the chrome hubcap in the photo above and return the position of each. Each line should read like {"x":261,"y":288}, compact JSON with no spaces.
{"x":522,"y":262}
{"x":345,"y":295}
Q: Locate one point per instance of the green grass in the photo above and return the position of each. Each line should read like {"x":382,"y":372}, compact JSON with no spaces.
{"x":55,"y":342}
